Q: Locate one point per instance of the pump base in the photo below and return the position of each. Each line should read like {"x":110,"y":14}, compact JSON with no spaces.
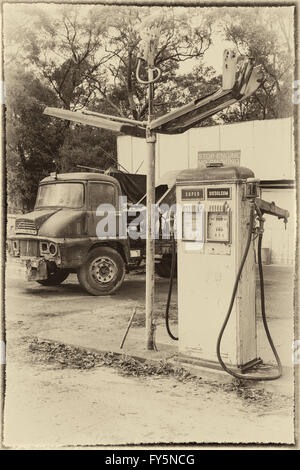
{"x":215,"y":364}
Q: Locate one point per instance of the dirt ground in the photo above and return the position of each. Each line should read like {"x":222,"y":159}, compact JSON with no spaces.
{"x":53,"y":401}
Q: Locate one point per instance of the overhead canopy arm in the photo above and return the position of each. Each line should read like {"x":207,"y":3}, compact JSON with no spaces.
{"x":190,"y":115}
{"x":96,"y":120}
{"x":237,"y":84}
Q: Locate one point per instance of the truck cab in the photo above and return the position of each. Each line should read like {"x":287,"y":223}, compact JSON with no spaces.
{"x":59,"y":236}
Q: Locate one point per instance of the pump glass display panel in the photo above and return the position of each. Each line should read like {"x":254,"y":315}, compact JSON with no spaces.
{"x":218,"y":227}
{"x":193,"y":222}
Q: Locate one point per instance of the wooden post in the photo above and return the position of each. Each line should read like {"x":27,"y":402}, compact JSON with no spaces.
{"x":150,"y":241}
{"x":127,"y":329}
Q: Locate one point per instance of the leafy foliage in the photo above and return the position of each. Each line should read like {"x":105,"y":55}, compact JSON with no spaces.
{"x":32,"y":141}
{"x":87,"y":146}
{"x":79,"y":57}
{"x":266,"y":35}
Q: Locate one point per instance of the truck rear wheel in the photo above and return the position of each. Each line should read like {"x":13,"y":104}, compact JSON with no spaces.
{"x":55,"y":278}
{"x":163,"y":268}
{"x":103,"y":272}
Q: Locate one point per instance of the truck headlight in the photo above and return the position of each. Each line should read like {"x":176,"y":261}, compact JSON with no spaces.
{"x":52,"y":249}
{"x":44,"y":247}
{"x":48,"y":248}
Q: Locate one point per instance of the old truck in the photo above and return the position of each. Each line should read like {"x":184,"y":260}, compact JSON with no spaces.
{"x":59,"y":237}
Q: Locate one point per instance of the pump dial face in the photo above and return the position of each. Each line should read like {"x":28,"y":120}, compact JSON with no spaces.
{"x":218,"y":227}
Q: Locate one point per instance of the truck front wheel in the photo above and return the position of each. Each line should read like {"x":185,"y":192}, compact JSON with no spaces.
{"x":103,"y":272}
{"x":55,"y":278}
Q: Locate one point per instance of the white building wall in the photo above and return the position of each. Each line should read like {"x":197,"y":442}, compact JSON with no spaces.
{"x":267,"y":147}
{"x":278,"y":238}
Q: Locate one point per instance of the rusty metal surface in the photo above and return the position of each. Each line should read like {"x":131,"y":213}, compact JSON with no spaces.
{"x":271,"y":209}
{"x":38,"y":271}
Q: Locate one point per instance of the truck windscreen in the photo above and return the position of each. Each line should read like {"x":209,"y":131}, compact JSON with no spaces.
{"x":60,"y":195}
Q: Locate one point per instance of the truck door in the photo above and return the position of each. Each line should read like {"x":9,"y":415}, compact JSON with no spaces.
{"x":100,"y":193}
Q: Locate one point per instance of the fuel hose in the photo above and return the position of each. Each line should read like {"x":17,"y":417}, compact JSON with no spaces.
{"x":173,"y":264}
{"x":263,"y":310}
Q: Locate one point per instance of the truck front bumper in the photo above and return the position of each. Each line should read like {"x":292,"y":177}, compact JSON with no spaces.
{"x":31,"y":269}
{"x":36,"y":269}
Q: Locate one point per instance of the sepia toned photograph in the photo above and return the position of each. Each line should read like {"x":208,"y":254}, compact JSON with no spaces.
{"x":149,"y":239}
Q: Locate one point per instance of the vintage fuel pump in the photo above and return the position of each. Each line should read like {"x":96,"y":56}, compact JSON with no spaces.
{"x":216,"y":267}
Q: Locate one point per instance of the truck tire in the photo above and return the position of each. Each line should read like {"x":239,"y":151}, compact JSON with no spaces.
{"x":55,"y":278}
{"x":163,"y":268}
{"x":103,"y":272}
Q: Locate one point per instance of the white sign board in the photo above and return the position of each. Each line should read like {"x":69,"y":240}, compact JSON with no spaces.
{"x":227,"y":157}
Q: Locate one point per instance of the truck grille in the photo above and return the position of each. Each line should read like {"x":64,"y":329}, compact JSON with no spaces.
{"x":29,"y":248}
{"x":25,"y":226}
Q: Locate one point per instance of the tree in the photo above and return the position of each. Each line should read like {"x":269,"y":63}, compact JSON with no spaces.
{"x":65,"y":49}
{"x":47,"y":67}
{"x":83,"y":57}
{"x":79,"y":57}
{"x":264,"y":34}
{"x":31,"y":140}
{"x":89,"y":53}
{"x":85,"y":145}
{"x":179,"y":41}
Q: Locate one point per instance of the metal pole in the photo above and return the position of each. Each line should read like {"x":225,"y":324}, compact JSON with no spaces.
{"x":150,"y":241}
